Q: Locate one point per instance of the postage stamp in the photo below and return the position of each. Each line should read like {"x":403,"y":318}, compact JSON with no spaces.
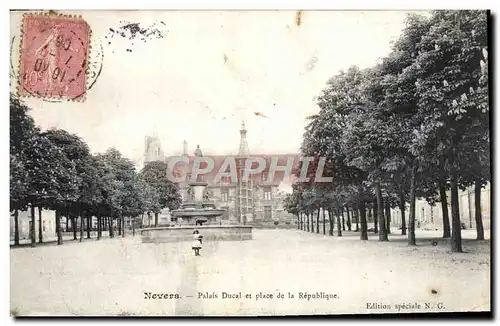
{"x":53,"y":56}
{"x":194,"y":163}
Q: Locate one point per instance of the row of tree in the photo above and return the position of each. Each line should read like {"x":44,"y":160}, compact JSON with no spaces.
{"x":416,"y":125}
{"x":55,"y":170}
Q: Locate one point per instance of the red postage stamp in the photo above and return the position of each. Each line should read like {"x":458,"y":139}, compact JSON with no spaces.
{"x":53,"y":56}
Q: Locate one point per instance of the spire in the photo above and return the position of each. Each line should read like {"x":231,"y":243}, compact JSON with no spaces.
{"x":243,"y":151}
{"x":184,"y":148}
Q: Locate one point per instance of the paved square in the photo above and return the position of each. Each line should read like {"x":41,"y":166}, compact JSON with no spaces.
{"x":111,"y":276}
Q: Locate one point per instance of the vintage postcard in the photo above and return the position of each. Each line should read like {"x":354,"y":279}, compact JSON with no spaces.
{"x":249,"y":163}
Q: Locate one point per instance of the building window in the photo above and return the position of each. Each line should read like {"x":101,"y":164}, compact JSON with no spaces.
{"x":264,"y":176}
{"x":158,"y":152}
{"x":267,"y":194}
{"x":44,"y":227}
{"x":267,"y":212}
{"x":224,"y":195}
{"x":188,"y":176}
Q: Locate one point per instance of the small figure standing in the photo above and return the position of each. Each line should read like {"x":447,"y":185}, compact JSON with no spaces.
{"x":197,"y":243}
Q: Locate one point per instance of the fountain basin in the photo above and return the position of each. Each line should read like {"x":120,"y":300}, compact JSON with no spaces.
{"x":185,"y":233}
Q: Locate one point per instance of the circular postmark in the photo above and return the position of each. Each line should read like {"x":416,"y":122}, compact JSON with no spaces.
{"x":57,"y":60}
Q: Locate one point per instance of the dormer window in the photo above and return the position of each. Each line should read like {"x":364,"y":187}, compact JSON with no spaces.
{"x":267,"y":194}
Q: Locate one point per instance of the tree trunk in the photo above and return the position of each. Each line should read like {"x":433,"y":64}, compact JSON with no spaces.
{"x":58,"y":228}
{"x":81,"y":226}
{"x":307,"y":221}
{"x":343,"y":219}
{"x":330,"y":221}
{"x":73,"y":224}
{"x":478,"y":215}
{"x":99,"y":227}
{"x":364,"y":226}
{"x":324,"y":222}
{"x":317,"y":221}
{"x":444,"y":207}
{"x":411,"y":220}
{"x":89,"y":225}
{"x":382,"y":234}
{"x":33,"y":227}
{"x":133,"y":226}
{"x":348,"y":218}
{"x":16,"y":227}
{"x":119,"y":222}
{"x":375,"y":216}
{"x":356,"y":215}
{"x":402,"y":209}
{"x":40,"y":227}
{"x":369,"y":216}
{"x":339,"y":225}
{"x":388,"y":215}
{"x":312,"y":222}
{"x":156,"y":220}
{"x":456,"y":229}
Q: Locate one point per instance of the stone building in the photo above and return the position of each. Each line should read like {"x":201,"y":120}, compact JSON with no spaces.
{"x":25,"y":224}
{"x":432,"y":216}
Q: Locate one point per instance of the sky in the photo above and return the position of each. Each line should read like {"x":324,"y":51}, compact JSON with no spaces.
{"x":195,"y":75}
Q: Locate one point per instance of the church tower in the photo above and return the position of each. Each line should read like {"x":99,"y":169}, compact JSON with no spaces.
{"x":152,"y":149}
